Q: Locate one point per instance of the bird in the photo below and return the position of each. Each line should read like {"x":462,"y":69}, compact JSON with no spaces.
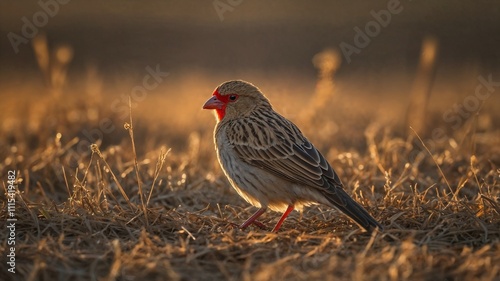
{"x":269,"y":162}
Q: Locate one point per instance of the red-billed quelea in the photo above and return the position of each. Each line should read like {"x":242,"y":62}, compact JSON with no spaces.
{"x":269,"y":162}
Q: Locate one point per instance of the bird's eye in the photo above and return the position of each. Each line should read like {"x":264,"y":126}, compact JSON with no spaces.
{"x":233,"y":97}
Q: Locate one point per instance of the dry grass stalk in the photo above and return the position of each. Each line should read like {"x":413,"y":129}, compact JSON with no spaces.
{"x":422,"y":85}
{"x":326,"y":62}
{"x":130,"y":128}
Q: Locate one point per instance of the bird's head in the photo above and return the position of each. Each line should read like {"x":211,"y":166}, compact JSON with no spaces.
{"x":235,"y":99}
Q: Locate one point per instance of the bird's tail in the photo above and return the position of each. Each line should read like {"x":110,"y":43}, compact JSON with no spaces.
{"x":353,"y":209}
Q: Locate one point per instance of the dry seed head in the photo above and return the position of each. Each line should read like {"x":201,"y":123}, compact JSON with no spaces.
{"x":94,"y":148}
{"x":64,"y":54}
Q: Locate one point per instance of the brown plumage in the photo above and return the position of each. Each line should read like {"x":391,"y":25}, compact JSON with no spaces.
{"x":269,"y":162}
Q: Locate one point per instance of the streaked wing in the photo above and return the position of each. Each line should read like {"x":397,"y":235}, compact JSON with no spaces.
{"x":275,"y":144}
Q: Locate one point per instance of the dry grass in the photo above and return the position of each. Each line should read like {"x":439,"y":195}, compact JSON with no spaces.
{"x":162,"y":210}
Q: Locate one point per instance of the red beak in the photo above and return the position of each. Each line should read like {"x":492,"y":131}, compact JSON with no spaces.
{"x":213,"y":103}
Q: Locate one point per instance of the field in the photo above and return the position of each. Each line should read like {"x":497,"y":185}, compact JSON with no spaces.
{"x":115,"y":177}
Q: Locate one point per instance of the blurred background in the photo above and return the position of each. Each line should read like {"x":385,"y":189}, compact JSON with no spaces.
{"x":122,"y":36}
{"x":100,"y":51}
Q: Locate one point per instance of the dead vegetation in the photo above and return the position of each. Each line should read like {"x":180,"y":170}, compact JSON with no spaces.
{"x":153,"y":204}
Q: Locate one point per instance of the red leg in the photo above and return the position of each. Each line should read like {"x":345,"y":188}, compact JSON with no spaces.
{"x":283,"y":217}
{"x":253,"y":218}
